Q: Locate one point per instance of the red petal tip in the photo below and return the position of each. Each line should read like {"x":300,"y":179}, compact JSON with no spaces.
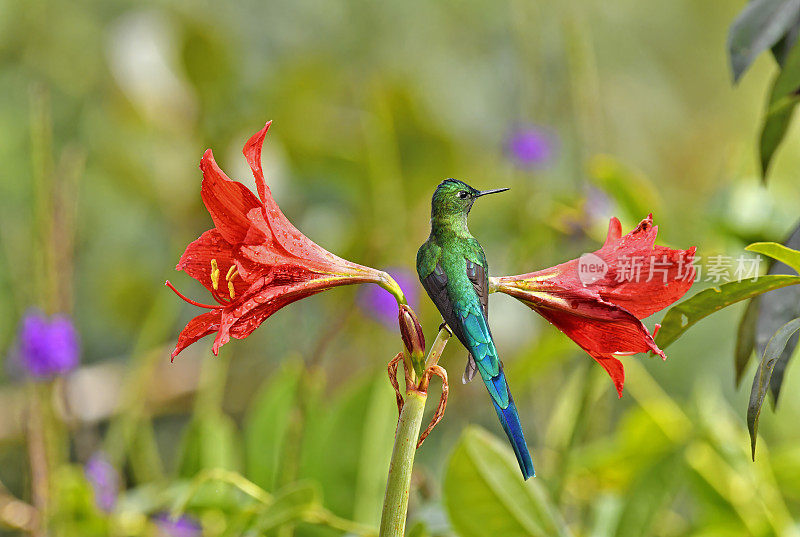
{"x":252,"y":153}
{"x":253,"y":146}
{"x":614,"y":230}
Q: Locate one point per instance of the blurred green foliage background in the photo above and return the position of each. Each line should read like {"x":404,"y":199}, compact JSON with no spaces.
{"x":373,"y":104}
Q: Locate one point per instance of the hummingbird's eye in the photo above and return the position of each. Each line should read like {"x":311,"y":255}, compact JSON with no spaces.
{"x":463,"y":194}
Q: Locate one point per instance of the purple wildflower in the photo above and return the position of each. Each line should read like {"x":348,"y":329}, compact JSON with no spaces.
{"x":183,"y":526}
{"x":531,"y":146}
{"x":47,"y":347}
{"x":381,"y":305}
{"x":104,"y":479}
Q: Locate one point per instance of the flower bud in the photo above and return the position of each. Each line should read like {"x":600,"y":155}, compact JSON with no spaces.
{"x":413,"y":338}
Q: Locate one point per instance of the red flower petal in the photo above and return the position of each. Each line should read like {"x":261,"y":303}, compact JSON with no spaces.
{"x":199,"y":327}
{"x":287,"y":236}
{"x":603,"y":333}
{"x":227,"y":201}
{"x":665,"y":276}
{"x":614,"y":368}
{"x":262,"y":301}
{"x":252,"y":152}
{"x":196,"y":260}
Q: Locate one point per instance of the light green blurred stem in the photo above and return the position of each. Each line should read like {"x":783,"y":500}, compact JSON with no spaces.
{"x":37,"y":454}
{"x":398,"y":486}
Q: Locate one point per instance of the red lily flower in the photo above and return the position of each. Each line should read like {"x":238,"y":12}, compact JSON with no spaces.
{"x":265,"y":261}
{"x":599,"y":299}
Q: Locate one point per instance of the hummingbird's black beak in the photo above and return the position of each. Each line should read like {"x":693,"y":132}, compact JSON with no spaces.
{"x":494,"y":191}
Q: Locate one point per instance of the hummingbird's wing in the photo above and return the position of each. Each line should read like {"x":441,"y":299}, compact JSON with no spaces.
{"x":477,"y":275}
{"x":436,"y":286}
{"x":465,"y":317}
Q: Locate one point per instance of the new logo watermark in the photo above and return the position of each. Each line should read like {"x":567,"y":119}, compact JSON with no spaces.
{"x":591,"y":268}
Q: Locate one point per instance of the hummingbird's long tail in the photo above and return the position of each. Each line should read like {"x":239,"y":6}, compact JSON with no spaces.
{"x":474,"y":333}
{"x":509,"y":419}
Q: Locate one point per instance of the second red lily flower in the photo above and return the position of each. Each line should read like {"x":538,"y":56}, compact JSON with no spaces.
{"x":599,"y":299}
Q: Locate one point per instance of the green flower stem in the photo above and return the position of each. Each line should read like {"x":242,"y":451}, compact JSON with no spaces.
{"x":395,"y":503}
{"x":398,"y":486}
{"x":438,"y":346}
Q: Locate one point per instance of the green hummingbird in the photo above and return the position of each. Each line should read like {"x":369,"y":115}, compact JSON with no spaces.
{"x":452,"y":268}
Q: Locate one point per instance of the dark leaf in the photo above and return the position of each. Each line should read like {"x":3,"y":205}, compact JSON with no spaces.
{"x":761,"y":381}
{"x":778,"y":372}
{"x":758,"y":27}
{"x":746,"y":339}
{"x":782,"y":100}
{"x":781,"y":49}
{"x":682,"y":316}
{"x":778,"y":307}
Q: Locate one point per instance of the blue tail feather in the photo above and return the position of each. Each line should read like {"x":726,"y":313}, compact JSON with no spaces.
{"x":476,"y":336}
{"x":509,"y":418}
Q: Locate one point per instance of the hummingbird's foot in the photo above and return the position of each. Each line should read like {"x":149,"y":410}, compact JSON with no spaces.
{"x":444,"y":326}
{"x":439,"y":412}
{"x":392,"y":369}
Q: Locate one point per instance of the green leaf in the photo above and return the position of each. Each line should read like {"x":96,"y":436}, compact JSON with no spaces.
{"x":419,"y":529}
{"x":745,"y":339}
{"x":290,"y":504}
{"x":758,"y":27}
{"x":210,"y":441}
{"x":484,"y":493}
{"x":74,"y":512}
{"x":782,"y":100}
{"x":684,"y":315}
{"x":652,"y":491}
{"x":778,"y":252}
{"x":761,"y":380}
{"x":267,"y":424}
{"x":358,"y":426}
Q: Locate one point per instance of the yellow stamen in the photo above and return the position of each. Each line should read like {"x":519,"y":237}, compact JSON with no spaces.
{"x":232,"y":272}
{"x":230,"y":289}
{"x":214,"y":274}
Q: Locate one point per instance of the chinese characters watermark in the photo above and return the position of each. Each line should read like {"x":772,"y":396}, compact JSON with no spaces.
{"x":714,"y":269}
